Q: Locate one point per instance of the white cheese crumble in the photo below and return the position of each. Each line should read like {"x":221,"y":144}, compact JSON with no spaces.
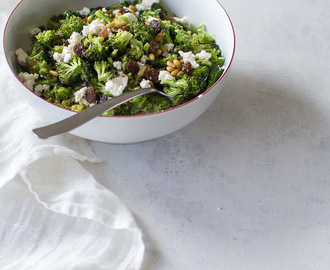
{"x":79,"y":96}
{"x":118,"y":65}
{"x":38,"y":89}
{"x":145,"y":84}
{"x":189,"y":57}
{"x":28,"y":79}
{"x":21,"y":57}
{"x":75,"y":38}
{"x":35,"y":31}
{"x":203,"y":55}
{"x":146,"y":4}
{"x":67,"y":52}
{"x":93,"y":28}
{"x":117,"y":85}
{"x":130,"y":17}
{"x":185,"y":21}
{"x":143,"y":61}
{"x":85,"y":11}
{"x":165,"y":75}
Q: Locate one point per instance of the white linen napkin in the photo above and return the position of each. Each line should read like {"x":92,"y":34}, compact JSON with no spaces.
{"x":53,"y":213}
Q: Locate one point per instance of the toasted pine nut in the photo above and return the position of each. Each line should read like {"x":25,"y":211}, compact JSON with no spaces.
{"x":138,"y":87}
{"x":170,"y":64}
{"x":180,"y":73}
{"x":170,"y":69}
{"x":104,"y":33}
{"x":54,"y":73}
{"x":142,"y":70}
{"x":159,"y":52}
{"x":152,"y":57}
{"x":175,"y":72}
{"x":110,"y":25}
{"x":180,"y":57}
{"x":120,"y":22}
{"x":177,"y":63}
{"x":151,"y":84}
{"x":163,"y":48}
{"x":159,"y":37}
{"x":118,"y":14}
{"x":181,"y":61}
{"x":133,"y":8}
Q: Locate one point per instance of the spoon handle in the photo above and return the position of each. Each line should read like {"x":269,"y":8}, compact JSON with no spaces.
{"x":82,"y":117}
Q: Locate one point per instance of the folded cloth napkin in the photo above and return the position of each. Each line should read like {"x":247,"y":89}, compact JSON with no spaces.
{"x":53,"y":213}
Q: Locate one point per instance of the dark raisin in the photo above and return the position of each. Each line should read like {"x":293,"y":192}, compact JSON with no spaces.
{"x":155,"y":24}
{"x":91,"y":95}
{"x":151,"y":74}
{"x":100,"y":98}
{"x":154,"y":46}
{"x":133,"y":67}
{"x":186,"y":67}
{"x":79,"y":49}
{"x":123,"y":11}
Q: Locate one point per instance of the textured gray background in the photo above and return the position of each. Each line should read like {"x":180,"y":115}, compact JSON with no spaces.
{"x":247,"y":185}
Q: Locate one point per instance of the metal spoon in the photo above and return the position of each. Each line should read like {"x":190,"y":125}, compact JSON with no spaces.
{"x":82,"y":117}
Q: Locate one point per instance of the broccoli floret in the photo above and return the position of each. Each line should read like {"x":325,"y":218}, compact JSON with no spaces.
{"x":141,"y":31}
{"x":47,"y":38}
{"x":55,"y":22}
{"x":101,"y":15}
{"x":215,"y":73}
{"x":97,"y":49}
{"x":69,"y":13}
{"x":70,"y":25}
{"x":120,"y":5}
{"x":178,"y":87}
{"x":62,"y":93}
{"x":199,"y":79}
{"x":69,"y":72}
{"x":120,"y":40}
{"x":162,"y":13}
{"x":183,"y":37}
{"x":38,"y":61}
{"x":136,"y":49}
{"x":149,"y":15}
{"x":204,"y":37}
{"x":103,"y":70}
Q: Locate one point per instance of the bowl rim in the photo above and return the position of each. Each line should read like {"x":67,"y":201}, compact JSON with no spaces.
{"x":138,"y":115}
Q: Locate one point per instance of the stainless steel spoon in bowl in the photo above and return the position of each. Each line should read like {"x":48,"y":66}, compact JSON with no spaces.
{"x":84,"y":116}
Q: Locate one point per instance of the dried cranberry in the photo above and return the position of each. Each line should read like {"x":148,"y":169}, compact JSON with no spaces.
{"x":155,"y":24}
{"x":91,"y":95}
{"x":133,"y":67}
{"x":154,"y":46}
{"x":100,"y":98}
{"x":186,"y":67}
{"x":79,"y":49}
{"x":152,"y":74}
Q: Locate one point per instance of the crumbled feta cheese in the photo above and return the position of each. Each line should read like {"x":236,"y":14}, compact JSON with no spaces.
{"x":21,"y":57}
{"x":93,"y":28}
{"x":85,"y":11}
{"x":165,"y":75}
{"x":35,"y":31}
{"x":169,"y":47}
{"x":185,"y":20}
{"x":75,"y":38}
{"x":146,"y":4}
{"x":145,"y":84}
{"x":130,"y":17}
{"x":118,"y":65}
{"x":117,"y":85}
{"x":28,"y":79}
{"x":65,"y":56}
{"x":104,"y":9}
{"x":79,"y":96}
{"x":143,"y":60}
{"x":189,"y":57}
{"x":40,"y":88}
{"x":203,"y":55}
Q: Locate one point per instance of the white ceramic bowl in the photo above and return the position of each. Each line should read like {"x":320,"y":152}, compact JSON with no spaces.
{"x":121,"y":129}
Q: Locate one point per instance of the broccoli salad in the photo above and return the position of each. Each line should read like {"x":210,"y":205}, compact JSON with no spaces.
{"x":81,"y":58}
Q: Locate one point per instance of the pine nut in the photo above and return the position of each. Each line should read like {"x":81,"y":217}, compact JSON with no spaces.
{"x":142,"y":70}
{"x":177,"y":63}
{"x":151,"y":83}
{"x":132,"y":8}
{"x":180,"y":73}
{"x":120,"y":22}
{"x":175,"y":72}
{"x":170,"y":69}
{"x":118,"y":14}
{"x":110,"y":25}
{"x":163,"y":48}
{"x":152,"y":57}
{"x":159,"y":52}
{"x":159,"y":37}
{"x":54,"y":73}
{"x":170,"y":64}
